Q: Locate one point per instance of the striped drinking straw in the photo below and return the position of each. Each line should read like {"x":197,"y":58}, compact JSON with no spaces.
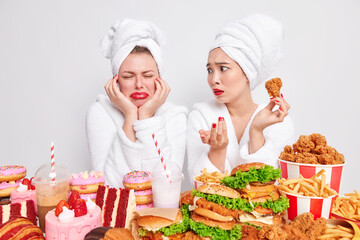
{"x":52,"y":156}
{"x":160,"y":155}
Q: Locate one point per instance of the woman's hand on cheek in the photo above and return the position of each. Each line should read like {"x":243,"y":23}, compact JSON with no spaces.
{"x":120,"y":101}
{"x":267,"y":116}
{"x":162,"y":91}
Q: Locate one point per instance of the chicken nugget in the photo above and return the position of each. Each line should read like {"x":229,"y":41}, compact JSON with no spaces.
{"x":273,"y":87}
{"x":318,"y":139}
{"x":288,"y":154}
{"x":306,"y":157}
{"x":303,"y":144}
{"x":314,"y":231}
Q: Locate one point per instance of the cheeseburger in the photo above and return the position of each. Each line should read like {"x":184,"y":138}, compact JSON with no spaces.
{"x":154,"y":227}
{"x":255,"y":183}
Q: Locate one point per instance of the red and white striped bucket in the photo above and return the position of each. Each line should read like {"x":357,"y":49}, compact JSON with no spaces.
{"x":197,"y":183}
{"x":293,"y":170}
{"x":320,"y":207}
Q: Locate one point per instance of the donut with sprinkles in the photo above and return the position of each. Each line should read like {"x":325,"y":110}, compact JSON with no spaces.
{"x":137,"y":180}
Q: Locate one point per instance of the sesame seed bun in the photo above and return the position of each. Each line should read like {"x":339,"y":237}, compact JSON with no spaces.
{"x":220,"y":190}
{"x":247,"y":166}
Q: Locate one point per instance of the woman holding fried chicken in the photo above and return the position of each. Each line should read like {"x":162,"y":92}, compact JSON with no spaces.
{"x":233,"y":129}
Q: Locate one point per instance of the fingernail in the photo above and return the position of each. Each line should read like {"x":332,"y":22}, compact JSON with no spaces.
{"x":202,"y":136}
{"x":281,"y":95}
{"x":277,"y":101}
{"x":271,"y":98}
{"x":220,"y":118}
{"x":280,"y":109}
{"x":214,"y":125}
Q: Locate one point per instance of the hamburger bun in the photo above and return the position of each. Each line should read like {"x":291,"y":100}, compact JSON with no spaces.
{"x":212,"y":215}
{"x":220,"y":190}
{"x":212,"y":223}
{"x":155,"y":222}
{"x":246,"y":167}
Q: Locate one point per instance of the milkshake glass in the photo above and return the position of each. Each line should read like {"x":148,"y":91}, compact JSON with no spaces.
{"x":50,"y":192}
{"x":166,"y":190}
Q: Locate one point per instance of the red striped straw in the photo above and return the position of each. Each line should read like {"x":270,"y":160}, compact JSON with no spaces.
{"x":160,"y":155}
{"x":52,"y":162}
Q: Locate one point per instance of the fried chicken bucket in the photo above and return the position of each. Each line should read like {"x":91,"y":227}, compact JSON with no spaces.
{"x":333,"y":173}
{"x":309,"y":155}
{"x":318,"y":206}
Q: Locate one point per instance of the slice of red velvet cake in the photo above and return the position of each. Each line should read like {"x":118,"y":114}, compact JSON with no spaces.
{"x":24,"y":209}
{"x":117,"y":205}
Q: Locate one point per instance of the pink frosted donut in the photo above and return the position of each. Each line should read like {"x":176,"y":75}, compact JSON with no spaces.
{"x":86,"y":183}
{"x":137,"y":180}
{"x":7,"y":187}
{"x":143,"y":197}
{"x":142,"y":206}
{"x":12,"y":173}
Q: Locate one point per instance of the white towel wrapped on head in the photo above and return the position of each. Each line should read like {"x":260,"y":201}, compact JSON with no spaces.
{"x":255,"y":43}
{"x":124,"y":35}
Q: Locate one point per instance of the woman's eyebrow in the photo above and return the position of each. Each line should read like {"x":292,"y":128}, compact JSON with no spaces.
{"x":218,"y":63}
{"x":147,"y":71}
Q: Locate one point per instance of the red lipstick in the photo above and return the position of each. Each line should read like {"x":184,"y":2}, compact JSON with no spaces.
{"x":218,"y":92}
{"x":139,"y":95}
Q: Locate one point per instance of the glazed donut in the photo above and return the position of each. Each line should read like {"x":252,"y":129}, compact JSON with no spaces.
{"x":12,"y":173}
{"x":86,"y":183}
{"x":137,"y":180}
{"x":143,"y":196}
{"x":142,"y":206}
{"x":7,"y":187}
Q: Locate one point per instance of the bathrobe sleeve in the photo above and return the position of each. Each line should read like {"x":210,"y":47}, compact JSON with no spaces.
{"x":197,"y":151}
{"x":100,"y":134}
{"x":277,"y":136}
{"x":169,"y":129}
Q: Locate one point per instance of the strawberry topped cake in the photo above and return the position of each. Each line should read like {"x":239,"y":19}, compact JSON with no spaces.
{"x":87,"y":183}
{"x":72,"y":219}
{"x":25,"y":191}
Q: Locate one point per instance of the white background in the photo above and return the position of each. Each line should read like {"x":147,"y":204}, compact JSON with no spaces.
{"x":51,"y":69}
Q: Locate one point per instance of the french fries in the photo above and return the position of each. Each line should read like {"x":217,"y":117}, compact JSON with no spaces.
{"x":312,"y":187}
{"x":348,"y":206}
{"x":337,"y":232}
{"x":213,"y":177}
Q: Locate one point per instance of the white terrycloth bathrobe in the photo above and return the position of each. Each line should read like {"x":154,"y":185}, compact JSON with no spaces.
{"x":114,"y":154}
{"x":202,"y":117}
